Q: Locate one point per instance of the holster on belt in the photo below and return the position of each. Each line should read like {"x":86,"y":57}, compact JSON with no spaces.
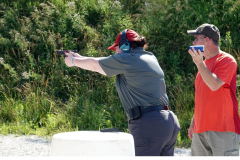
{"x":135,"y":112}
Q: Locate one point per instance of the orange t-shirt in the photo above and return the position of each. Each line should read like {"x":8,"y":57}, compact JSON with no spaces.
{"x":217,"y":110}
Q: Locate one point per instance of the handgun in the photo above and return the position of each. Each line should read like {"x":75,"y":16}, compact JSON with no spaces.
{"x":109,"y":130}
{"x":61,"y":52}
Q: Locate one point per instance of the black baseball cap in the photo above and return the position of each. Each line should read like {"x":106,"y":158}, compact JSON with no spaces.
{"x":208,"y":30}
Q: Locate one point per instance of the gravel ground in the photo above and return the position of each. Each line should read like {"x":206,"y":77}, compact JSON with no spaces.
{"x":34,"y":146}
{"x":12,"y":145}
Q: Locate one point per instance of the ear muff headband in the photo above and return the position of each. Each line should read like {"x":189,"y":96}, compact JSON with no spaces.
{"x":124,"y":34}
{"x":124,"y":44}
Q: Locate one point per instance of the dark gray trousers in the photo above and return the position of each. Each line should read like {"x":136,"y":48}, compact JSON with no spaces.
{"x":155,"y":133}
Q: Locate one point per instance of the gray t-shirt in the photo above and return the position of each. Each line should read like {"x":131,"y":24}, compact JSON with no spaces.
{"x":139,"y":78}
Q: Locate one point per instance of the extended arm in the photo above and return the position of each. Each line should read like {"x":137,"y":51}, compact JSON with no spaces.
{"x":88,"y":63}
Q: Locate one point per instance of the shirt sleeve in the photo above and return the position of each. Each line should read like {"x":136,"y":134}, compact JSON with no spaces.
{"x":112,"y":65}
{"x":226,"y":69}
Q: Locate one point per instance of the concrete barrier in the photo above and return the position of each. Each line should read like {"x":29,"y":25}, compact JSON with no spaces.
{"x":92,"y":143}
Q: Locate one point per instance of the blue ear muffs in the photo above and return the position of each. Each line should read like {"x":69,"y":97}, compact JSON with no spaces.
{"x":124,"y":44}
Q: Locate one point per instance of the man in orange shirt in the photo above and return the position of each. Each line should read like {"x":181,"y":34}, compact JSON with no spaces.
{"x":215,"y":126}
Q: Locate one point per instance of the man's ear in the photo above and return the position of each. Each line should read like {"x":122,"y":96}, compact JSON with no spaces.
{"x":207,"y":39}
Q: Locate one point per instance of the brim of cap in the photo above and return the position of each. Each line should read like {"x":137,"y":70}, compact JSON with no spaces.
{"x":112,"y":47}
{"x":193,"y":32}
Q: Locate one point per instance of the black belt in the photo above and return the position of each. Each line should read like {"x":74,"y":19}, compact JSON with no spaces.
{"x":154,"y":108}
{"x":136,"y":112}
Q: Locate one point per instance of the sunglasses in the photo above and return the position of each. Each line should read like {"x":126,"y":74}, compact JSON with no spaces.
{"x":196,"y":38}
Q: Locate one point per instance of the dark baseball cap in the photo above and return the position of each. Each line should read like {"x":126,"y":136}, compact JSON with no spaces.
{"x":208,"y":30}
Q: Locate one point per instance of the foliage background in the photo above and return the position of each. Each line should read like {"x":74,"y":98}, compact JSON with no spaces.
{"x":40,"y":95}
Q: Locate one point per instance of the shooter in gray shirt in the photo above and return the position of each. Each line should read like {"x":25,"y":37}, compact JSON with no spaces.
{"x":142,"y":91}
